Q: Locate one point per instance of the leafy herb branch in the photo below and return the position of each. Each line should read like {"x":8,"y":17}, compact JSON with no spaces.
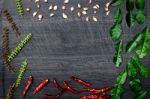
{"x":139,"y":44}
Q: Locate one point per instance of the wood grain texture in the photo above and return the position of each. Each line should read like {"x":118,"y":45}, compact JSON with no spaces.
{"x":61,"y":48}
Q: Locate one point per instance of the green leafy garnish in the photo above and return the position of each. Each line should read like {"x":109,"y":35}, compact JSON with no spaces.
{"x":118,"y":17}
{"x":140,"y":4}
{"x":130,"y":19}
{"x":118,"y":88}
{"x":140,"y":17}
{"x":144,"y":47}
{"x":130,"y":5}
{"x":116,"y":2}
{"x":132,"y":71}
{"x":133,"y":44}
{"x":141,"y":95}
{"x":118,"y":55}
{"x":115,"y":32}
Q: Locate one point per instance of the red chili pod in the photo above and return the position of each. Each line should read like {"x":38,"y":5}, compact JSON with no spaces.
{"x":40,"y":86}
{"x":80,"y":81}
{"x":27,"y":86}
{"x":95,"y":97}
{"x":98,"y":91}
{"x":69,"y":88}
{"x":46,"y":96}
{"x":56,"y":84}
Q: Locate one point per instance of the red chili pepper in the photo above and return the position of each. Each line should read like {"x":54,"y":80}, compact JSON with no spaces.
{"x":95,"y":97}
{"x":40,"y":86}
{"x":56,"y":84}
{"x":98,"y":91}
{"x":69,"y":88}
{"x":27,"y":85}
{"x":82,"y":82}
{"x":46,"y":96}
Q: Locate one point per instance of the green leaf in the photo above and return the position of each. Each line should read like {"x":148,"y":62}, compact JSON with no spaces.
{"x":116,"y":2}
{"x":144,"y":48}
{"x":130,"y":5}
{"x":117,"y":91}
{"x":143,"y":70}
{"x":118,"y":54}
{"x":140,"y":4}
{"x":140,"y":17}
{"x":141,"y":95}
{"x":115,"y":32}
{"x":135,"y":85}
{"x":118,"y":17}
{"x":133,"y":44}
{"x":130,"y":19}
{"x":121,"y":78}
{"x":131,"y":70}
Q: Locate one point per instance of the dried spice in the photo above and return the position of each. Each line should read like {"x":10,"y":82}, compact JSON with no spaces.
{"x":57,"y":85}
{"x":10,"y":92}
{"x":5,"y":46}
{"x":19,"y":7}
{"x":11,"y":21}
{"x":40,"y":86}
{"x":19,"y":47}
{"x":21,"y":72}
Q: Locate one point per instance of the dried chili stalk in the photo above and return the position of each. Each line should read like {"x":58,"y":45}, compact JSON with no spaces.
{"x":10,"y":92}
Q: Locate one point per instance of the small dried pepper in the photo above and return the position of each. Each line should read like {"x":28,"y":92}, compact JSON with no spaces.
{"x":27,"y":86}
{"x":40,"y":86}
{"x":99,"y":91}
{"x":10,"y":92}
{"x":67,"y":87}
{"x":53,"y":96}
{"x":95,"y":97}
{"x":56,"y":84}
{"x":82,"y":82}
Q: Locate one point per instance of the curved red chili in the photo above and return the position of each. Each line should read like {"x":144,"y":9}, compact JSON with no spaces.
{"x":95,"y":97}
{"x":69,"y":88}
{"x":40,"y":86}
{"x":80,"y":81}
{"x":98,"y":91}
{"x":56,"y":84}
{"x":46,"y":96}
{"x":27,"y":85}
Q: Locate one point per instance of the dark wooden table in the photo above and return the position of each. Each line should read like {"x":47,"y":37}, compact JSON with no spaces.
{"x":64,"y":47}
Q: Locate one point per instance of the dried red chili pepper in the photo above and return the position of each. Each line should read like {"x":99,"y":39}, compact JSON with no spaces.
{"x":67,"y":87}
{"x":46,"y":96}
{"x":40,"y":86}
{"x":56,"y":84}
{"x":82,"y":82}
{"x":98,"y":91}
{"x":28,"y":84}
{"x":95,"y":97}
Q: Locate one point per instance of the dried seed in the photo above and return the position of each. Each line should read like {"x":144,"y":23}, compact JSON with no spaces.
{"x":34,"y":14}
{"x":38,"y":6}
{"x":84,"y":12}
{"x":87,"y":19}
{"x":106,"y":9}
{"x":107,"y":13}
{"x":96,"y":6}
{"x":50,"y":7}
{"x":28,"y":9}
{"x":79,"y":6}
{"x":55,"y":7}
{"x":107,"y":4}
{"x":79,"y":14}
{"x":72,"y":8}
{"x":52,"y":14}
{"x":85,"y":8}
{"x":95,"y":19}
{"x":46,"y":1}
{"x":95,"y":12}
{"x":37,"y":1}
{"x":40,"y":16}
{"x":90,"y":1}
{"x":66,"y":1}
{"x":64,"y":16}
{"x":63,"y":7}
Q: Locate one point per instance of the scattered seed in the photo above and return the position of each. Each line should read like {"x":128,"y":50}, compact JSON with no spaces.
{"x":79,"y":14}
{"x":72,"y":8}
{"x":38,"y":6}
{"x":95,"y":12}
{"x":55,"y":7}
{"x":34,"y":14}
{"x":46,"y":1}
{"x":28,"y":9}
{"x":85,"y":8}
{"x":79,"y":6}
{"x":95,"y":19}
{"x":40,"y":16}
{"x":63,"y":7}
{"x":66,"y":1}
{"x":96,"y":6}
{"x":64,"y":16}
{"x":107,"y":13}
{"x":106,"y":9}
{"x":50,"y":7}
{"x":87,"y":19}
{"x":90,"y":1}
{"x":107,"y":4}
{"x":52,"y":14}
{"x":37,"y":1}
{"x":84,"y":12}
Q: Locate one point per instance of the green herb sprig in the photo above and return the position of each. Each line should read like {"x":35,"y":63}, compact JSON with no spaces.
{"x":19,"y":7}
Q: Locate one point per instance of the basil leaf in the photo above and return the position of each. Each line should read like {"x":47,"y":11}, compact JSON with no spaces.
{"x":118,"y":17}
{"x":144,"y":48}
{"x":122,"y":78}
{"x":141,"y":95}
{"x":116,"y":2}
{"x":130,"y":5}
{"x":130,"y":18}
{"x":115,"y":32}
{"x":133,"y":44}
{"x":118,"y":54}
{"x":140,"y":4}
{"x":135,"y":85}
{"x":131,"y":70}
{"x":117,"y":91}
{"x":140,"y":17}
